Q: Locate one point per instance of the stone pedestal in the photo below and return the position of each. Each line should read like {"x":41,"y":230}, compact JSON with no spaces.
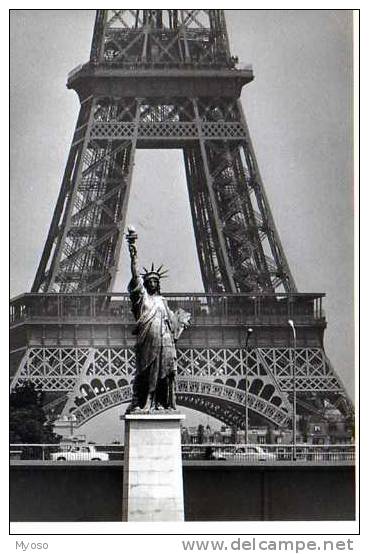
{"x":152,"y":480}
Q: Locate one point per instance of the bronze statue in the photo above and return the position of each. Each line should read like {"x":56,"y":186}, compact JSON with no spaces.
{"x":157,"y":330}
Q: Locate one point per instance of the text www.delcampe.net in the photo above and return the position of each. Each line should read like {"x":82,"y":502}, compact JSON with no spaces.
{"x":256,"y":544}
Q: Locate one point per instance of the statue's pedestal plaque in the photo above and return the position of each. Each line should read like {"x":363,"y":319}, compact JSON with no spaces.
{"x":152,"y":480}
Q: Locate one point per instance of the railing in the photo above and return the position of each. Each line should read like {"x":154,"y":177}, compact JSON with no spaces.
{"x":211,"y":308}
{"x":269,"y":452}
{"x":132,"y":65}
{"x":66,"y":452}
{"x":250,"y":453}
{"x":111,"y":61}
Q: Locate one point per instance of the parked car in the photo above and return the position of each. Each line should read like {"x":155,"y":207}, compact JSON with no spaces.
{"x":79,"y":454}
{"x":249,"y":453}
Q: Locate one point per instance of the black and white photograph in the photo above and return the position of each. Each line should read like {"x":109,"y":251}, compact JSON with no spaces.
{"x":182,"y":291}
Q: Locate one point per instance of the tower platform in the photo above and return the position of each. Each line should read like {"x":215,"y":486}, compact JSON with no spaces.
{"x":79,"y":348}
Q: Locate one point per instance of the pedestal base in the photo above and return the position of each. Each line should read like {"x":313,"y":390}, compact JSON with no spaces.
{"x":152,"y":480}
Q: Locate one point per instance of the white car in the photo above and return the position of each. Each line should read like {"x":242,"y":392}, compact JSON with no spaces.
{"x":249,"y":453}
{"x":79,"y":454}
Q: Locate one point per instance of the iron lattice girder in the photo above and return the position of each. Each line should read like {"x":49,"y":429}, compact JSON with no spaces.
{"x":160,"y":37}
{"x":89,"y":375}
{"x":45,"y":366}
{"x":170,"y":131}
{"x":89,"y":230}
{"x":234,"y":221}
{"x":231,"y":402}
{"x":230,"y":414}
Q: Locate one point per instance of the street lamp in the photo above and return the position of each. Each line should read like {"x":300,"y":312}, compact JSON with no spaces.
{"x":291,"y":324}
{"x":250,"y":330}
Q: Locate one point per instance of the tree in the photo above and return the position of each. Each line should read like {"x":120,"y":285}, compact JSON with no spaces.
{"x":28,"y":421}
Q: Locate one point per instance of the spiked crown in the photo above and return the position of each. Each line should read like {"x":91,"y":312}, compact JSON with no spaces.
{"x":153,"y":273}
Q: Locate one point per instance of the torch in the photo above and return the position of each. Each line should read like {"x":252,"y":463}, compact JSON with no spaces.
{"x":131,"y":235}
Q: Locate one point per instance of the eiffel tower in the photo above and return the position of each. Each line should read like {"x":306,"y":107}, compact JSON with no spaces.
{"x":166,"y":79}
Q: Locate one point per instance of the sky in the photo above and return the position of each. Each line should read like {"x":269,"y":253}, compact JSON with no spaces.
{"x":299,"y":111}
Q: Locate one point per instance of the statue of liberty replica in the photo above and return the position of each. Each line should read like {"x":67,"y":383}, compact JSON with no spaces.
{"x":157,"y":330}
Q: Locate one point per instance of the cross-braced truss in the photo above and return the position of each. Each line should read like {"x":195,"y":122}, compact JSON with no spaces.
{"x":237,"y":242}
{"x":98,"y":378}
{"x":161,"y":38}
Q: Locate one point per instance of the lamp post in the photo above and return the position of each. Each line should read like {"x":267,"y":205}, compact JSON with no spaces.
{"x":292,"y":325}
{"x":250,"y":330}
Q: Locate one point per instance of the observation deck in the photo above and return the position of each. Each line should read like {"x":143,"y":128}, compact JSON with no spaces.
{"x":132,"y":79}
{"x":205,"y":309}
{"x":217,"y":320}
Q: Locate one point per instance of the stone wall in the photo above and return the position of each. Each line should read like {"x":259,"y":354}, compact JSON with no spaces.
{"x":212,"y":492}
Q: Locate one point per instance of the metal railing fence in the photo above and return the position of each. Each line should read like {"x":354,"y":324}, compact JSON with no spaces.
{"x":211,"y":452}
{"x":67,"y":452}
{"x":269,"y":452}
{"x":232,"y":308}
